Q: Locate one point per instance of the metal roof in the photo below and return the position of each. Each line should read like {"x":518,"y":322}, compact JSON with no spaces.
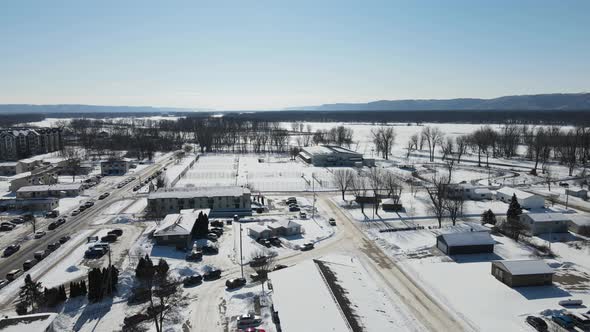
{"x":201,"y":192}
{"x":467,"y":239}
{"x":526,"y":267}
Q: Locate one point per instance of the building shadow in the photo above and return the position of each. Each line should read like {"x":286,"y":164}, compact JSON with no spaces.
{"x":475,"y":258}
{"x":93,"y":313}
{"x":166,"y":252}
{"x":542,"y":292}
{"x":559,"y":237}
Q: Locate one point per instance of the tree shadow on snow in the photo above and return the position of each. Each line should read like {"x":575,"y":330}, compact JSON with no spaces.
{"x":166,"y":252}
{"x":542,"y":292}
{"x":94,"y":312}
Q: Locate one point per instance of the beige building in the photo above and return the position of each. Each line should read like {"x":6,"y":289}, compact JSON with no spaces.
{"x":114,"y":167}
{"x":40,"y":176}
{"x":223,"y":201}
{"x":56,"y":190}
{"x":17,"y":143}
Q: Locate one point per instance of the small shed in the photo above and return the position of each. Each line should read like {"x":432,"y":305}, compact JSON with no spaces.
{"x":579,"y":224}
{"x":465,"y":243}
{"x":580,"y":193}
{"x":518,"y":273}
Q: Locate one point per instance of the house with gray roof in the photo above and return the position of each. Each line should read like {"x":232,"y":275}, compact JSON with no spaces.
{"x":543,"y":223}
{"x":465,"y":243}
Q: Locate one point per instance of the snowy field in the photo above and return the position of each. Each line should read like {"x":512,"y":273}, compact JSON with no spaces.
{"x":263,"y":173}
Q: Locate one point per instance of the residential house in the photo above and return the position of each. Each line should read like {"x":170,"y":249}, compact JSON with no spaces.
{"x":114,"y":167}
{"x":542,"y":223}
{"x":526,"y":200}
{"x":176,"y":229}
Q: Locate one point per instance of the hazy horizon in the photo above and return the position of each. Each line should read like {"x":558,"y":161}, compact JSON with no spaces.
{"x":270,"y":56}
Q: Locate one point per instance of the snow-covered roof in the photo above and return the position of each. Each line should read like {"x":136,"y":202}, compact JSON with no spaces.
{"x":286,"y":223}
{"x":580,"y":219}
{"x":327,"y":149}
{"x":58,"y":187}
{"x":8,"y":164}
{"x":34,"y":322}
{"x":307,"y":306}
{"x":467,"y":239}
{"x":512,"y":191}
{"x":178,"y":223}
{"x":547,"y":217}
{"x":201,"y":192}
{"x":258,"y":228}
{"x":525,"y":267}
{"x":482,"y":191}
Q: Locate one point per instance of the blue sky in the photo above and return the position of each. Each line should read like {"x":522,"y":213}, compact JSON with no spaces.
{"x":274,"y":54}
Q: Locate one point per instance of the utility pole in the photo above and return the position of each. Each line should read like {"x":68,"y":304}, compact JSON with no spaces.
{"x":241,"y":256}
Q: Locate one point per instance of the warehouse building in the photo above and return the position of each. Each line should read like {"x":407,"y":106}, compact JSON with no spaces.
{"x":518,"y":273}
{"x":465,"y":243}
{"x":223,"y":201}
{"x":526,"y":200}
{"x":332,"y":155}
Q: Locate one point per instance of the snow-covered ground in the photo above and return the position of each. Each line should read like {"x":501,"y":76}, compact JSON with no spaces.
{"x":262,"y":172}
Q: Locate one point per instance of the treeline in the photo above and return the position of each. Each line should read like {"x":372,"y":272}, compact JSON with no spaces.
{"x":443,"y":116}
{"x":10,"y":120}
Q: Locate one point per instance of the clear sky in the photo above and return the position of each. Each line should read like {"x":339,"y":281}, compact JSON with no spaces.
{"x":272,"y":54}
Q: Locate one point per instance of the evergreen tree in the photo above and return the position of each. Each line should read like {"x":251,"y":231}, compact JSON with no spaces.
{"x":73,"y":290}
{"x":31,"y":294}
{"x":514,"y":209}
{"x":95,"y":290}
{"x":62,"y":292}
{"x":488,"y":217}
{"x":82,"y":289}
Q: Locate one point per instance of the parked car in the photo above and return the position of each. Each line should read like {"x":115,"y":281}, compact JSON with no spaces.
{"x":194,"y":255}
{"x":39,"y":255}
{"x":279,"y":267}
{"x":307,"y":246}
{"x":82,"y":208}
{"x":53,"y":246}
{"x":39,"y":234}
{"x":17,"y":221}
{"x":570,"y":302}
{"x":64,"y":239}
{"x":257,"y":276}
{"x":13,"y":274}
{"x":216,"y":223}
{"x":89,"y":204}
{"x":332,"y":222}
{"x":212,"y":275}
{"x":192,"y":280}
{"x":248,"y":319}
{"x":110,"y":238}
{"x":210,"y":250}
{"x":538,"y":323}
{"x":3,"y":282}
{"x":564,"y":184}
{"x":251,"y":329}
{"x":116,"y":231}
{"x":75,"y":212}
{"x":94,"y":253}
{"x":294,"y":209}
{"x":133,"y":320}
{"x":580,"y":320}
{"x":302,"y":215}
{"x":103,"y":196}
{"x":6,"y":228}
{"x":105,"y":247}
{"x":11,"y":249}
{"x":235,"y":283}
{"x":563,"y":321}
{"x":52,"y":214}
{"x":264,"y":242}
{"x":52,"y":226}
{"x":28,"y":264}
{"x":212,"y":236}
{"x":275,"y":241}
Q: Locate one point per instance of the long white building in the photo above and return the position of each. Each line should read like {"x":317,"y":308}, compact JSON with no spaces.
{"x":526,"y":200}
{"x":223,"y":201}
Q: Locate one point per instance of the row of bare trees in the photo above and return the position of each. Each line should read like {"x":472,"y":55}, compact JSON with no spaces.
{"x":370,"y":186}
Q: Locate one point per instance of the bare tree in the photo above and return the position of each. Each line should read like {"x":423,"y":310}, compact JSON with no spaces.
{"x":73,"y":159}
{"x":383,"y":139}
{"x":462,"y":144}
{"x":359,"y":187}
{"x":437,"y":192}
{"x":375,"y":177}
{"x":454,"y":207}
{"x":433,"y":136}
{"x":412,"y":144}
{"x":265,"y":267}
{"x":393,"y":185}
{"x":343,"y":179}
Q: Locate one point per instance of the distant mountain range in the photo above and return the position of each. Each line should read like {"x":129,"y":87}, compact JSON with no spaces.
{"x":555,"y":101}
{"x":72,"y":108}
{"x":550,"y":102}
